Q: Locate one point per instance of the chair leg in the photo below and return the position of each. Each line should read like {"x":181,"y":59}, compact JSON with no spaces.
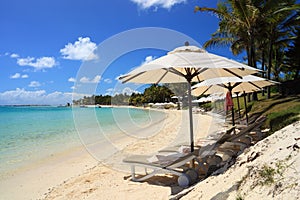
{"x":133,"y":172}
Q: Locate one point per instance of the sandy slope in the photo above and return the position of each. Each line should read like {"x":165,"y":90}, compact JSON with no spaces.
{"x":246,"y":180}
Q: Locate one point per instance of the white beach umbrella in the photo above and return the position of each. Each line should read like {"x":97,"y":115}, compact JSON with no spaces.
{"x":236,"y":85}
{"x":187,"y":64}
{"x":202,"y":99}
{"x":247,"y":84}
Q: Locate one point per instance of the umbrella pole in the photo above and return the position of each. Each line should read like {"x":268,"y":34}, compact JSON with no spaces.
{"x":190,"y":116}
{"x":238,"y":102}
{"x":232,"y":110}
{"x":246,"y":108}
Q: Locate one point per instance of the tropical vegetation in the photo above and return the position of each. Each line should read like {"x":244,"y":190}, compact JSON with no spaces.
{"x":153,"y":94}
{"x":266,"y":30}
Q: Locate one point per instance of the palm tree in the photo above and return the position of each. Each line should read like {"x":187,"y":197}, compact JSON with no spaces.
{"x":292,"y":59}
{"x":254,"y":26}
{"x":238,"y":24}
{"x":278,"y":27}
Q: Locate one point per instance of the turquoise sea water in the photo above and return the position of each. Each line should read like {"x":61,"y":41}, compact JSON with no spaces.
{"x":28,"y":134}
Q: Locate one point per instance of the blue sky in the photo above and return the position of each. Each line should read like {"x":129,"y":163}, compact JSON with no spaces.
{"x":45,"y":43}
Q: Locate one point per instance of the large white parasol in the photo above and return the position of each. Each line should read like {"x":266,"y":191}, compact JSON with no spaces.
{"x":236,"y":85}
{"x":187,"y":64}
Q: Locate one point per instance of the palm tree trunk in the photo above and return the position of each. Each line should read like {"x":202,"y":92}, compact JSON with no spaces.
{"x":276,"y":67}
{"x":250,"y":64}
{"x":269,"y":68}
{"x":297,"y":74}
{"x":253,"y":62}
{"x":263,"y":68}
{"x":253,"y":56}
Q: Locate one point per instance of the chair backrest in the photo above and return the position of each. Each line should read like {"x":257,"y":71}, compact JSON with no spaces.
{"x":206,"y":150}
{"x":214,"y":160}
{"x":226,"y":135}
{"x":230,"y":137}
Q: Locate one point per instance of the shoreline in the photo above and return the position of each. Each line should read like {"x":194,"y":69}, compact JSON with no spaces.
{"x":37,"y":157}
{"x":46,"y":178}
{"x":36,"y":179}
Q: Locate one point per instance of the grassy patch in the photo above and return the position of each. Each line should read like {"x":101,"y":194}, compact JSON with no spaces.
{"x":239,"y":197}
{"x":267,"y":174}
{"x":280,"y":119}
{"x":280,"y":111}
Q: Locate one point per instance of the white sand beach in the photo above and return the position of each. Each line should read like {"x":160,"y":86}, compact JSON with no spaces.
{"x":36,"y":180}
{"x":77,"y":175}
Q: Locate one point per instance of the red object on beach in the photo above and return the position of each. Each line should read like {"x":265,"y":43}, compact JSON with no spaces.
{"x":228,"y":101}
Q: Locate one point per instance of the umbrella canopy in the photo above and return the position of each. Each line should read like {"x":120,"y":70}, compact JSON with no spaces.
{"x":202,"y":99}
{"x":187,"y":64}
{"x":247,"y":84}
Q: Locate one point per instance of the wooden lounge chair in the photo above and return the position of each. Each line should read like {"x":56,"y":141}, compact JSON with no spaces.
{"x":246,"y":130}
{"x":245,"y":139}
{"x":226,"y":154}
{"x":172,"y":164}
{"x":207,"y":165}
{"x":209,"y":158}
{"x":234,"y":146}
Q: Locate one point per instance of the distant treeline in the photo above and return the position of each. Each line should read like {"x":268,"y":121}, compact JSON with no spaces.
{"x":154,"y":94}
{"x":93,"y":100}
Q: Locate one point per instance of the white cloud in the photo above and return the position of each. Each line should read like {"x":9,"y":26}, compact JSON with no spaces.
{"x":144,"y":4}
{"x":39,"y":63}
{"x":24,"y":76}
{"x":110,"y":91}
{"x":129,"y":91}
{"x":85,"y":79}
{"x":82,"y":49}
{"x":107,"y":80}
{"x":22,"y":96}
{"x":148,"y":59}
{"x":34,"y":84}
{"x":14,"y":55}
{"x":126,"y":90}
{"x":18,"y":75}
{"x":25,"y":61}
{"x":96,"y":79}
{"x":71,"y":79}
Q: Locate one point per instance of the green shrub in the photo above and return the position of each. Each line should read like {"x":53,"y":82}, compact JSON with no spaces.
{"x":279,"y":120}
{"x":267,"y":174}
{"x":239,"y":197}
